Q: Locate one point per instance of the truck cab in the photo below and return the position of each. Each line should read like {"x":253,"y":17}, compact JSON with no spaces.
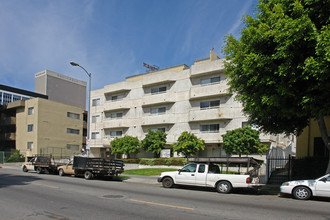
{"x":66,"y":169}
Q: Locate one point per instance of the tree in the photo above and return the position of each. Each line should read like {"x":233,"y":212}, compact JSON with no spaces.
{"x":243,"y":141}
{"x":125,"y":145}
{"x":279,"y":68}
{"x":16,"y":157}
{"x":154,"y":142}
{"x":188,"y":144}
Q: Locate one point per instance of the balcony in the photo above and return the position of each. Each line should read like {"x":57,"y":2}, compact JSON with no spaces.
{"x":156,"y":99}
{"x":117,"y":105}
{"x":116,"y":88}
{"x":210,"y":114}
{"x":210,"y":137}
{"x":163,"y":119}
{"x":116,"y":123}
{"x":8,"y":136}
{"x":209,"y":91}
{"x":208,"y":67}
{"x":158,"y":78}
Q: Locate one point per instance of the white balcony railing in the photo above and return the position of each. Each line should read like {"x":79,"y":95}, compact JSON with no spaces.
{"x":212,"y":90}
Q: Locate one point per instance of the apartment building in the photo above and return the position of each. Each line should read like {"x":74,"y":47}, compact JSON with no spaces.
{"x":10,"y":94}
{"x":48,"y":127}
{"x":174,"y":99}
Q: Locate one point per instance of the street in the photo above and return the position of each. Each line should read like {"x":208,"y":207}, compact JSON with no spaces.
{"x":34,"y":196}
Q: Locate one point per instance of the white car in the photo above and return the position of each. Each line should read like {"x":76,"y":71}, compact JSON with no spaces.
{"x":304,"y":189}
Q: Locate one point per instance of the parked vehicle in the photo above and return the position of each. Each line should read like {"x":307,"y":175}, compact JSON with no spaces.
{"x":305,"y":189}
{"x":91,"y":167}
{"x":43,"y":164}
{"x":206,"y":172}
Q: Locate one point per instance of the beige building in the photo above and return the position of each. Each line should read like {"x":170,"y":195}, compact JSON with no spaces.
{"x":61,"y":88}
{"x":310,"y":143}
{"x":48,"y":127}
{"x":174,"y":99}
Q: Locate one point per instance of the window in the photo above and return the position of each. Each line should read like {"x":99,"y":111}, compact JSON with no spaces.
{"x":29,"y":145}
{"x":158,"y":129}
{"x":158,"y":111}
{"x":209,"y":104}
{"x":96,"y":118}
{"x":191,"y":168}
{"x":95,"y":135}
{"x":117,"y":115}
{"x":244,"y":123}
{"x":201,"y":168}
{"x":115,"y":98}
{"x":0,"y":98}
{"x":7,"y":98}
{"x":213,"y":80}
{"x":158,"y":90}
{"x":211,"y":128}
{"x":72,"y":147}
{"x":30,"y":111}
{"x":116,"y":133}
{"x":72,"y":131}
{"x":30,"y":128}
{"x":73,"y":115}
{"x":16,"y":97}
{"x":96,"y":102}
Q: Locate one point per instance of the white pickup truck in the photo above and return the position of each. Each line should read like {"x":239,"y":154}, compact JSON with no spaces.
{"x":208,"y":174}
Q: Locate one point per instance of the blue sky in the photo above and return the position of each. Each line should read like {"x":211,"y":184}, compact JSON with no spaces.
{"x":110,"y":38}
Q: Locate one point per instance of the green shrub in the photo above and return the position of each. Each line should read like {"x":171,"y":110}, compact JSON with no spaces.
{"x":131,"y":160}
{"x":173,"y":161}
{"x":16,"y":157}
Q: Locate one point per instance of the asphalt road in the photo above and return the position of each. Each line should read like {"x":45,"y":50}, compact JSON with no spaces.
{"x":33,"y":196}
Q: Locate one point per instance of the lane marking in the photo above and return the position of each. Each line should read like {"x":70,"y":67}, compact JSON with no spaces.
{"x":159,"y":204}
{"x":43,"y":185}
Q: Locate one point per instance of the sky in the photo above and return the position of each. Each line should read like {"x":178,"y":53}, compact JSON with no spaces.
{"x":110,"y":38}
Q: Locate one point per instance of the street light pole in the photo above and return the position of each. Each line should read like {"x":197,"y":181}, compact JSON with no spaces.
{"x":89,"y":103}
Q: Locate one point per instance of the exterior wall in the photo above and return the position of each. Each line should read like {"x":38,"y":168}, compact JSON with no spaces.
{"x":61,"y":88}
{"x":50,"y":122}
{"x":186,"y":89}
{"x":9,"y":98}
{"x":305,"y":141}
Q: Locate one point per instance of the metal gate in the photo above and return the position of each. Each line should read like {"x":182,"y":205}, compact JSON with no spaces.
{"x":279,"y":170}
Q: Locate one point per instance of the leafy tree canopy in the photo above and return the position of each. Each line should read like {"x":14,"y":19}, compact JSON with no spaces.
{"x":188,"y":144}
{"x":279,"y":68}
{"x":154,"y":142}
{"x":280,"y":65}
{"x":125,"y":145}
{"x":243,"y":141}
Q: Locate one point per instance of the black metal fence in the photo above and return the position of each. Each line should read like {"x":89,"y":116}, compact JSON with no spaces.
{"x":279,"y":170}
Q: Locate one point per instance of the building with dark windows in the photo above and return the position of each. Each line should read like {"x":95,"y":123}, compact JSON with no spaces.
{"x":8,"y":116}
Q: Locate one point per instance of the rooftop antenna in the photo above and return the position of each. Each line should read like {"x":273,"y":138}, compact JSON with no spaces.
{"x":150,"y":68}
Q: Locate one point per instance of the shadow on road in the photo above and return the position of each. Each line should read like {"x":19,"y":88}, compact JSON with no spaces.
{"x":12,"y":180}
{"x":240,"y":191}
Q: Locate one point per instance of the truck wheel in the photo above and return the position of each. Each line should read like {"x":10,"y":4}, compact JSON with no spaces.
{"x":167,"y":182}
{"x":25,"y":169}
{"x":224,"y":187}
{"x":302,"y":193}
{"x":39,"y":170}
{"x":61,"y":172}
{"x":88,"y":175}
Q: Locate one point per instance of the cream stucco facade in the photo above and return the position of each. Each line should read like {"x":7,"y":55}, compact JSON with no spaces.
{"x":48,"y":127}
{"x":175,"y":99}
